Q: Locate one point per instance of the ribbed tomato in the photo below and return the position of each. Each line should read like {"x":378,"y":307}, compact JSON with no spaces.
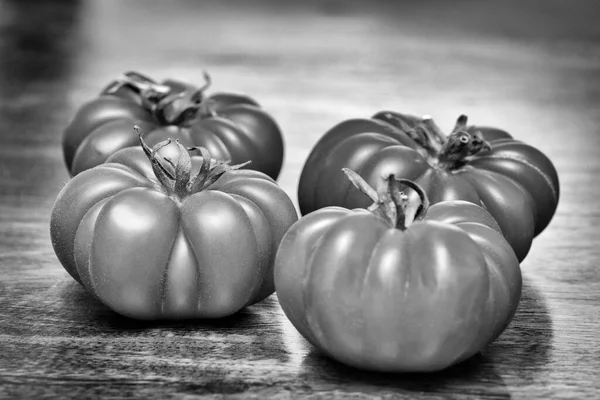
{"x":514,"y":181}
{"x":400,"y":287}
{"x":231,"y":126}
{"x":157,"y":239}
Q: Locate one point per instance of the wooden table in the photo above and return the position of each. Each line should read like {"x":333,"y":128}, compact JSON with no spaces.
{"x":530,"y":68}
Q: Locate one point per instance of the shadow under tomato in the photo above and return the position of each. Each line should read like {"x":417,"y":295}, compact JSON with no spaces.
{"x":257,"y":331}
{"x":521,"y":351}
{"x":253,"y":333}
{"x":78,"y":304}
{"x":475,"y":376}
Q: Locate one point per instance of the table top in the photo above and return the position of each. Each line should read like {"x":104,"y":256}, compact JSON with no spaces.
{"x":531,"y":69}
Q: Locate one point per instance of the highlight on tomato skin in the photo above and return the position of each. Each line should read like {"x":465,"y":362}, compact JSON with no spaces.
{"x":232,"y":126}
{"x":515,"y":182}
{"x":402,"y":285}
{"x":169,"y":232}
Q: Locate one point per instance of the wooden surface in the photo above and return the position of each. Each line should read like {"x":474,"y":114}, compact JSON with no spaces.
{"x":530,"y":67}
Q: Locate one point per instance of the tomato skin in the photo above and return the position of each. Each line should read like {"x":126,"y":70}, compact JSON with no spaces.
{"x":93,"y":115}
{"x":516,"y":182}
{"x":106,"y":139}
{"x":267,"y":149}
{"x":105,"y":125}
{"x":383,"y":299}
{"x":222,"y":100}
{"x":149,"y":255}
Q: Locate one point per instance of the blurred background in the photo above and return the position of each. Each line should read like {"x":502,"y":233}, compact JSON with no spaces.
{"x":511,"y":64}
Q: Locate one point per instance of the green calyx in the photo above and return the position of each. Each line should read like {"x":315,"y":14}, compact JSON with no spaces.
{"x":390,"y":202}
{"x":177,"y":177}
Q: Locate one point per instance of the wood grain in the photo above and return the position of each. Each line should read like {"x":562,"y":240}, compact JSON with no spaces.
{"x":529,"y":68}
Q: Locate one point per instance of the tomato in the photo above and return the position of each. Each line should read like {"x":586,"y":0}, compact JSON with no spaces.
{"x":514,"y":181}
{"x":400,"y":287}
{"x":231,"y":126}
{"x":154,"y":238}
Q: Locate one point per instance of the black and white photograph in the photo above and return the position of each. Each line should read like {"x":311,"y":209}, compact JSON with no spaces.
{"x":319,"y":199}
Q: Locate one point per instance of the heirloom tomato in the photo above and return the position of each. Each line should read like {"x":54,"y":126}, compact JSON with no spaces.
{"x":231,"y":126}
{"x":514,"y":181}
{"x":400,"y":286}
{"x":157,"y":234}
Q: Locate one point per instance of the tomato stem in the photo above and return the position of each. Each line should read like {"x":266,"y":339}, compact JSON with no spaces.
{"x":183,"y":172}
{"x":210,"y":170}
{"x":139,"y":77}
{"x":169,"y":108}
{"x":444,"y":152}
{"x":207,"y":109}
{"x":177,"y":109}
{"x":436,"y":138}
{"x":198,"y":95}
{"x":164,"y":176}
{"x":181,"y":183}
{"x":461,"y":124}
{"x":460,"y":145}
{"x":184,"y":107}
{"x":390,"y":202}
{"x":149,"y":90}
